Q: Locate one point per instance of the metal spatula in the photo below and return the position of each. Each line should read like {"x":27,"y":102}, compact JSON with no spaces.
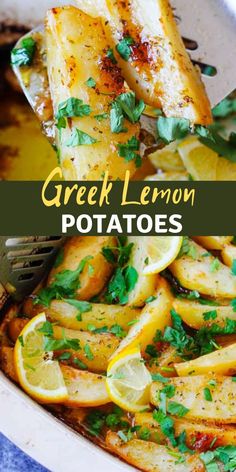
{"x":208,"y":28}
{"x":24,"y":261}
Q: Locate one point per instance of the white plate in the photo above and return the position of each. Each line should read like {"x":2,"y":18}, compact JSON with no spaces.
{"x":46,"y":439}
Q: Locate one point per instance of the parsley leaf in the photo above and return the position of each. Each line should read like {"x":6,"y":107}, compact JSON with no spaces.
{"x":95,"y":421}
{"x":214,"y":265}
{"x":23,"y":56}
{"x":46,"y":329}
{"x":101,"y":117}
{"x":210,"y":315}
{"x":130,"y":108}
{"x":65,"y":285}
{"x":81,"y":306}
{"x":207,"y":394}
{"x":124,"y":47}
{"x":166,"y":424}
{"x":117,"y":119}
{"x":88,"y":352}
{"x":110,"y":55}
{"x":145,"y":433}
{"x":118,"y":331}
{"x":79,"y":138}
{"x":170,"y":129}
{"x":129,"y":151}
{"x":223,"y":147}
{"x":90,"y":82}
{"x":177,"y":409}
{"x":122,"y":282}
{"x":233,"y":304}
{"x":21,"y":340}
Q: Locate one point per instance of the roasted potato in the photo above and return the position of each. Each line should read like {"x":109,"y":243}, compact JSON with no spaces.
{"x":157,"y":66}
{"x":84,"y":388}
{"x":72,"y":42}
{"x":192,"y":313}
{"x":151,"y":457}
{"x":190,"y":392}
{"x":199,"y":436}
{"x":219,"y":362}
{"x":154,"y":316}
{"x":99,"y":315}
{"x":7,"y":362}
{"x":213,"y":242}
{"x":96,"y":272}
{"x":228,"y":255}
{"x":146,"y":284}
{"x":207,"y":275}
{"x":102,"y":346}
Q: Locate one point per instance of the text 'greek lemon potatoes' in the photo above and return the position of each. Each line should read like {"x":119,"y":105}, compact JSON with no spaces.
{"x":131,"y":341}
{"x":139,"y":105}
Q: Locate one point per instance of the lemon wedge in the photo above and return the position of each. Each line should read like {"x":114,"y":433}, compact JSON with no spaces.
{"x":160,"y":251}
{"x":128,"y":381}
{"x":39,"y":375}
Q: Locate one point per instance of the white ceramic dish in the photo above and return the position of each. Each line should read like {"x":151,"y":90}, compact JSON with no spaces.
{"x":46,"y":439}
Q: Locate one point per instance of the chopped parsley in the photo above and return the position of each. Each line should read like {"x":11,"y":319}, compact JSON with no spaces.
{"x":91,"y":83}
{"x":225,"y":454}
{"x":117,"y":119}
{"x":123,"y":250}
{"x":170,"y":129}
{"x":23,"y":56}
{"x":177,"y":409}
{"x":80,"y":138}
{"x":187,"y":249}
{"x":124,"y":47}
{"x":101,"y":117}
{"x":46,"y":329}
{"x":233,"y":304}
{"x":166,"y":425}
{"x":151,"y":350}
{"x":21,"y":340}
{"x":145,"y":433}
{"x":79,"y":363}
{"x":88,"y":353}
{"x":51,"y":344}
{"x":150,"y":299}
{"x":110,"y":55}
{"x":207,"y":394}
{"x":65,"y":356}
{"x":129,"y":151}
{"x":71,"y":108}
{"x":210,"y":315}
{"x":131,"y":108}
{"x":214,"y":265}
{"x":212,"y":139}
{"x":81,"y":306}
{"x":121,"y":284}
{"x":65,"y":285}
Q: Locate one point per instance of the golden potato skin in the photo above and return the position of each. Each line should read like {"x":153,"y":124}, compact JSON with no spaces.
{"x":199,"y":436}
{"x":76,"y":51}
{"x":100,"y":314}
{"x":7,"y":362}
{"x":189,"y":392}
{"x":76,"y":249}
{"x":159,"y":69}
{"x":84,"y":388}
{"x":213,"y":242}
{"x":151,"y":457}
{"x":192,"y":313}
{"x":102,"y":347}
{"x":199,"y":274}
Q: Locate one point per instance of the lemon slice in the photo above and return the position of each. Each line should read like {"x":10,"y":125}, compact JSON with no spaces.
{"x":199,"y":160}
{"x":38,"y":374}
{"x":128,"y":381}
{"x":160,"y":251}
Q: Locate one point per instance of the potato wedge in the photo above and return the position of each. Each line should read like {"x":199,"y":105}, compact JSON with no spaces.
{"x":168,"y":158}
{"x":151,"y":457}
{"x":207,"y":275}
{"x":192,"y":313}
{"x":15,"y":327}
{"x":213,"y":242}
{"x":220,"y":362}
{"x":146,"y":284}
{"x":100,"y":315}
{"x":72,"y":41}
{"x":190,"y":392}
{"x":229,"y":255}
{"x":101,"y":346}
{"x":199,"y":436}
{"x":7,"y":362}
{"x":157,"y":67}
{"x":74,"y":251}
{"x":84,"y":388}
{"x":155,"y":315}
